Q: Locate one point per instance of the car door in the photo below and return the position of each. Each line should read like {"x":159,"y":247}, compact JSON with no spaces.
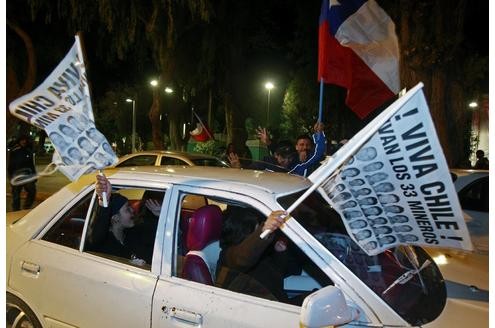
{"x":178,"y":302}
{"x":71,"y":287}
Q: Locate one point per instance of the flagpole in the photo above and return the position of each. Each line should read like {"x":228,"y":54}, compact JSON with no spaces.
{"x":202,"y":125}
{"x":320,"y":111}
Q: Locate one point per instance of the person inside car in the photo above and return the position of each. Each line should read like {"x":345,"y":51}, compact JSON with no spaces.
{"x":251,"y":265}
{"x":115,"y":231}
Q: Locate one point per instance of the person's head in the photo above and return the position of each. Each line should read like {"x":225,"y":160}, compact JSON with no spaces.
{"x":23,"y":140}
{"x":480,"y":154}
{"x":74,"y":153}
{"x":75,"y":123}
{"x":95,"y":135}
{"x":68,"y":131}
{"x":121,"y":213}
{"x":107,"y":148}
{"x":285,"y":156}
{"x":85,"y":144}
{"x":230,"y":148}
{"x":238,"y":223}
{"x":304,"y":144}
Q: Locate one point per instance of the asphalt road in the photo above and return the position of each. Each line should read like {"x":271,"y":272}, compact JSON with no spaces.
{"x":45,"y":186}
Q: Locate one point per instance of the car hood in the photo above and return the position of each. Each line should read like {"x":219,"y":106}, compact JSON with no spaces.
{"x":466,"y":278}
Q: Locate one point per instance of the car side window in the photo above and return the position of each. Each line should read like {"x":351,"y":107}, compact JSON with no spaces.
{"x":214,"y":248}
{"x":475,"y":196}
{"x":67,"y":231}
{"x":172,"y":161}
{"x":140,"y":160}
{"x":126,"y":234}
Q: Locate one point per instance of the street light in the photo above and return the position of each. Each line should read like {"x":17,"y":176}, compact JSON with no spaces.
{"x":269,"y":86}
{"x":154,"y":83}
{"x":169,"y":90}
{"x":473,"y":104}
{"x":133,"y":123}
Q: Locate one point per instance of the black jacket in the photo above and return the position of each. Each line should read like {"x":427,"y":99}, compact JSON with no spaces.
{"x":21,"y":160}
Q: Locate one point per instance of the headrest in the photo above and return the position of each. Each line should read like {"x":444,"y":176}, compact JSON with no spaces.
{"x":205,"y":227}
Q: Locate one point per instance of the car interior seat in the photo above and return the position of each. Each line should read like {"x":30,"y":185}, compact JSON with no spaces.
{"x":203,"y":246}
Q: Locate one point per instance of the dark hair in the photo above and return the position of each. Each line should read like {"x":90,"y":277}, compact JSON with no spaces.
{"x":238,"y":223}
{"x":304,"y":136}
{"x":116,"y":203}
{"x":23,"y":137}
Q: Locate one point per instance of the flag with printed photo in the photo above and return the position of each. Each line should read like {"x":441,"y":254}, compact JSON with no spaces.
{"x":61,"y":106}
{"x":391,"y":184}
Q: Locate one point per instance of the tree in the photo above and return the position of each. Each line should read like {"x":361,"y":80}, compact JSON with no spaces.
{"x":434,"y":51}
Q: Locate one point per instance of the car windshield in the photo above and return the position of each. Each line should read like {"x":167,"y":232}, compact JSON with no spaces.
{"x":418,"y":300}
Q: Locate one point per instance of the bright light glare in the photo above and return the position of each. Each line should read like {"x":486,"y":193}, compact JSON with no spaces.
{"x":473,"y":104}
{"x":169,"y":90}
{"x":269,"y":85}
{"x":440,"y":259}
{"x":154,"y":83}
{"x":129,"y":100}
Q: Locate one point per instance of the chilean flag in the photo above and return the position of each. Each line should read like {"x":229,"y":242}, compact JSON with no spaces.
{"x":358,"y":50}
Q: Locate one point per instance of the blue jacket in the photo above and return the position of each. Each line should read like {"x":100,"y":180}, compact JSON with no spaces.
{"x":313,"y":161}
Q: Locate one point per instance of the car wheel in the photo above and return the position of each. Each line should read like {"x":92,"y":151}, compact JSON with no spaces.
{"x":19,"y":315}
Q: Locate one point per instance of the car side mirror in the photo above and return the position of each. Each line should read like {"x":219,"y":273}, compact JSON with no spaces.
{"x":326,"y":307}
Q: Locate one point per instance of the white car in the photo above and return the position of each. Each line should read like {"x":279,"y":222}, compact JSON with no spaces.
{"x":472,"y":187}
{"x":55,"y":280}
{"x":168,"y":157}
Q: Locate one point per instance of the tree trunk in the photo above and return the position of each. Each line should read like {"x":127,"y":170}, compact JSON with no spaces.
{"x":154,"y":116}
{"x":229,"y":118}
{"x":13,"y":89}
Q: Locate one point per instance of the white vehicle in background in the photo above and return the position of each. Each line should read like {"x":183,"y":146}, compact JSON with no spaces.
{"x":55,"y":280}
{"x":472,"y":187}
{"x":169,"y":157}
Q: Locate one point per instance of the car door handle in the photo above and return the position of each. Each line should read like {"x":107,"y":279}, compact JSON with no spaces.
{"x":188,"y":317}
{"x":30,"y":268}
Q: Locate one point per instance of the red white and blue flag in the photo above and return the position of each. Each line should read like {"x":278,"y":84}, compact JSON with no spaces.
{"x":358,"y":50}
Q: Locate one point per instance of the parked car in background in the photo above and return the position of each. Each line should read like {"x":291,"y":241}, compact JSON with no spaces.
{"x":472,"y":188}
{"x":54,"y":279}
{"x":168,"y":157}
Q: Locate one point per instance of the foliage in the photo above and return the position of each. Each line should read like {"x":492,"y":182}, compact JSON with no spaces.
{"x":208,"y":147}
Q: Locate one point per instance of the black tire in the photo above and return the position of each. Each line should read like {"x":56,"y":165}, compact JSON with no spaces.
{"x":19,"y":315}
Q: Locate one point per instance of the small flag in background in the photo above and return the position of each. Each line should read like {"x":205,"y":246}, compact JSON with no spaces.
{"x":201,"y":133}
{"x":358,"y":50}
{"x":61,"y":106}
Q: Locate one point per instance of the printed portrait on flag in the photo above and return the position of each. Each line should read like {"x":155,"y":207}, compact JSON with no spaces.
{"x":61,"y":106}
{"x":391,"y":184}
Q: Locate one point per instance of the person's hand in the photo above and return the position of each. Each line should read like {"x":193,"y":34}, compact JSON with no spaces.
{"x":154,"y":206}
{"x":274,"y":220}
{"x":263,"y":135}
{"x":234,"y":160}
{"x":319,"y":127}
{"x":137,"y":261}
{"x":103,"y":185}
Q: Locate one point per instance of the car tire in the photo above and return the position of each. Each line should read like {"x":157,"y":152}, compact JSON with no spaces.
{"x":19,"y":315}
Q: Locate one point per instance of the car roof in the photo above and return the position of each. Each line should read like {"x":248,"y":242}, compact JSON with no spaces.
{"x":169,"y":152}
{"x":463,"y":177}
{"x":237,"y":180}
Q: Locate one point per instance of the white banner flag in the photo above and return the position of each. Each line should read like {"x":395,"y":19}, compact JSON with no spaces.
{"x":61,"y":106}
{"x":391,"y":184}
